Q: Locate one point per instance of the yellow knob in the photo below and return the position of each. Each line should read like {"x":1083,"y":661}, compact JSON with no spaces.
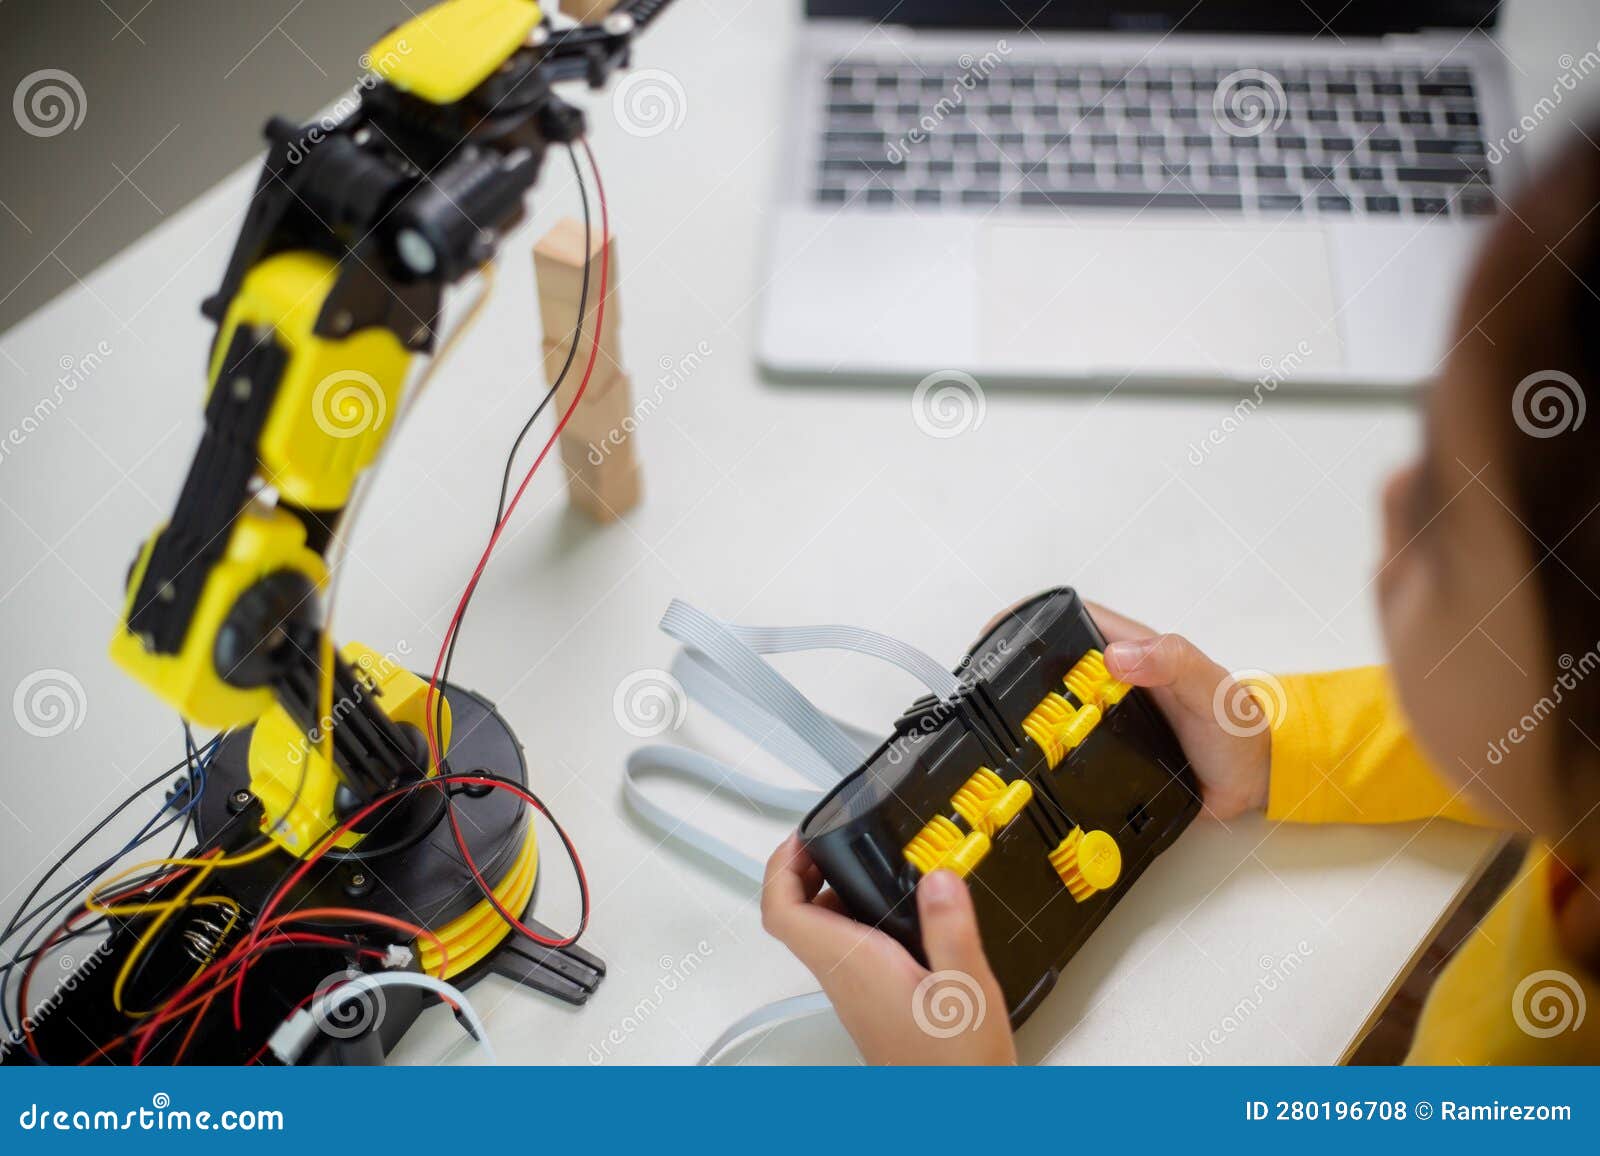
{"x":1087,"y":862}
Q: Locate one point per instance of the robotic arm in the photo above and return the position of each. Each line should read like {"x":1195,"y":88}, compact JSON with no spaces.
{"x":356,"y":228}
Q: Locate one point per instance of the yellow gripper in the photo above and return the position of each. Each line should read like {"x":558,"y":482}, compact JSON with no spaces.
{"x":1059,"y":727}
{"x":1091,"y":684}
{"x":972,"y":800}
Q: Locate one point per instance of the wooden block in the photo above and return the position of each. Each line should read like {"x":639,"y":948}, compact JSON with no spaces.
{"x":559,"y":258}
{"x":603,"y":416}
{"x":557,"y":341}
{"x":588,"y":11}
{"x":606,"y":491}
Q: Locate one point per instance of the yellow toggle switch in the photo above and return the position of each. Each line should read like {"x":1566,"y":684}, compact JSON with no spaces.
{"x":975,"y":796}
{"x":1091,"y":683}
{"x":929,"y":846}
{"x":1059,"y":727}
{"x":1087,"y":862}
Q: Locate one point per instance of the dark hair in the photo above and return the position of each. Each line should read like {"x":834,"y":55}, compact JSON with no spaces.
{"x":1536,"y":301}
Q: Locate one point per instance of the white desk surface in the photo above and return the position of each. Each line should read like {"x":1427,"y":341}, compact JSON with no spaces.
{"x":769,"y":505}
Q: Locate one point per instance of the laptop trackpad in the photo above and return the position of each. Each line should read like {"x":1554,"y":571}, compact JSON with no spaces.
{"x":1156,"y":299}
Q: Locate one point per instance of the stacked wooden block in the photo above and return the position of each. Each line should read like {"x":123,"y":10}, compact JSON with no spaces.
{"x":597,"y":443}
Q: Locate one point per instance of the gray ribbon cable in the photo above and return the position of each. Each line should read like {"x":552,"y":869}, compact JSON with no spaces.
{"x":722,"y":669}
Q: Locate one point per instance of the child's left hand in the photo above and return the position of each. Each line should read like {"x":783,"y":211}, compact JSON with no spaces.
{"x":896,"y":1010}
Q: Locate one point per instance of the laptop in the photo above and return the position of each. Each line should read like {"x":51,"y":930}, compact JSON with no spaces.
{"x":1120,"y":194}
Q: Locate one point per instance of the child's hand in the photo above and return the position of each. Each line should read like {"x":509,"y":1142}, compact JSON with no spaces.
{"x":1197,"y":696}
{"x":896,"y":1010}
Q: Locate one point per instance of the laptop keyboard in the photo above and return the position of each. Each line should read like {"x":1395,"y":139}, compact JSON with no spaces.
{"x":1334,"y":142}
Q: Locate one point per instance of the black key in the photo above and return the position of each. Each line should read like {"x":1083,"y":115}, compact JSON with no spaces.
{"x":1316,"y":173}
{"x":1103,"y":140}
{"x":980,"y":196}
{"x":1369,"y":116}
{"x":1000,"y":109}
{"x":1022,"y":82}
{"x":1279,"y":202}
{"x":1459,"y":91}
{"x":1330,"y":203}
{"x":1461,"y":119}
{"x":1223,"y":172}
{"x":852,"y":137}
{"x":1184,"y":113}
{"x":1249,"y":144}
{"x":1323,"y":116}
{"x":1337,"y":144}
{"x":1128,"y":169}
{"x":1383,"y":144}
{"x":1383,"y":204}
{"x":851,"y":108}
{"x":1081,"y":168}
{"x":1477,"y":204}
{"x":1413,"y":175}
{"x":830,"y":195}
{"x":1196,"y":142}
{"x":1455,"y":148}
{"x":1366,"y":174}
{"x":1430,"y":206}
{"x":1110,"y":199}
{"x":909,"y":108}
{"x":1175,"y":168}
{"x":1046,"y":111}
{"x":931,"y":83}
{"x":1293,"y":143}
{"x":1009,"y":140}
{"x":888,"y":80}
{"x":965,"y":140}
{"x":987,"y":168}
{"x":1069,"y":82}
{"x":862,"y":164}
{"x":1137,"y":112}
{"x":879,"y":195}
{"x":1152,"y":140}
{"x":1416,"y":116}
{"x":1158,"y":86}
{"x":1271,"y":173}
{"x":926,"y":196}
{"x":1341,"y":88}
{"x":941,"y":166}
{"x":1387,"y":88}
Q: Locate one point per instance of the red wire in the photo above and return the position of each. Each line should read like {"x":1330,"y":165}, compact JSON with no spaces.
{"x":594,"y":353}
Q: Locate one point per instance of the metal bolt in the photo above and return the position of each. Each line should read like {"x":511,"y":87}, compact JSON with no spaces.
{"x":239,"y":800}
{"x":240,"y":386}
{"x":618,"y":24}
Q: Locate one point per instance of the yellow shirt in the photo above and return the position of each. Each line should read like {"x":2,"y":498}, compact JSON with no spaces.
{"x":1341,"y":753}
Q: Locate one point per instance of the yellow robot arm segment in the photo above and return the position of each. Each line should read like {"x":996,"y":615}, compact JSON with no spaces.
{"x":263,"y":541}
{"x":297,"y":788}
{"x":447,"y":51}
{"x":337,"y":397}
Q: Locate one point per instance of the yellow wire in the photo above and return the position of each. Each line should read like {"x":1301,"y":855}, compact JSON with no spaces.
{"x":182,"y":899}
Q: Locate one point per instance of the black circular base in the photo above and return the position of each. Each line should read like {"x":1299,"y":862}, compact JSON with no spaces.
{"x":414,"y":871}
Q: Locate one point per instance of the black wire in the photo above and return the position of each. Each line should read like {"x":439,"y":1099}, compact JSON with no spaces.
{"x":511,"y":458}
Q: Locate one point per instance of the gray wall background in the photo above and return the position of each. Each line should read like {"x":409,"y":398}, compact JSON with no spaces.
{"x":174,"y":93}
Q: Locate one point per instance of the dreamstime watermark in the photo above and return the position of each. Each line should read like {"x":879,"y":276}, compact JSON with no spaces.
{"x":973,"y":71}
{"x":373,"y":670}
{"x":348,"y":403}
{"x":674,"y":373}
{"x":948,"y":1003}
{"x":1548,"y":1003}
{"x":49,"y":702}
{"x":948,"y":403}
{"x":374,"y":72}
{"x":933,"y":719}
{"x":649,"y":702}
{"x":1249,"y":102}
{"x":76,"y":972}
{"x":1273,"y":374}
{"x":75,"y":370}
{"x":160,"y":1116}
{"x":1275,"y":972}
{"x":1573,"y":671}
{"x":675,"y":972}
{"x":1548,"y":403}
{"x":1573,"y":70}
{"x":649,"y":102}
{"x":1247,"y":702}
{"x":348,"y":1005}
{"x":49,"y":102}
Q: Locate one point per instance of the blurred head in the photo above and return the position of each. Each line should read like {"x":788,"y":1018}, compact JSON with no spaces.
{"x":1490,"y":588}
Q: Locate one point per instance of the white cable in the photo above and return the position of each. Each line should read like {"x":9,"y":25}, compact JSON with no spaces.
{"x":321,"y":1010}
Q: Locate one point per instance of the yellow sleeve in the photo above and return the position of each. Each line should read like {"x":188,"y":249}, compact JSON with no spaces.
{"x":1342,"y":753}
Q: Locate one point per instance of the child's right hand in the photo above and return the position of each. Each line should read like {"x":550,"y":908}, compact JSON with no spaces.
{"x":1197,"y":696}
